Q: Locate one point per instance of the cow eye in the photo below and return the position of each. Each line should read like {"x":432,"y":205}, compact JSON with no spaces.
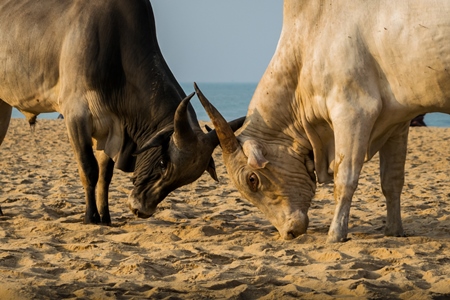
{"x":253,"y":182}
{"x":163,"y":165}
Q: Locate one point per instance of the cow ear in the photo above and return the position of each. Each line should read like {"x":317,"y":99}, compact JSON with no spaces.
{"x":209,"y":129}
{"x":126,"y":159}
{"x":211,"y":169}
{"x":160,"y":138}
{"x":255,"y":153}
{"x":310,"y":168}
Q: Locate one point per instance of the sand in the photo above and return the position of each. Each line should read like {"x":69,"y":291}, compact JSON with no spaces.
{"x":206,"y":241}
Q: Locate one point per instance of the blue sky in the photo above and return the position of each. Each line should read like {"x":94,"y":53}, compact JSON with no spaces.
{"x":218,"y":41}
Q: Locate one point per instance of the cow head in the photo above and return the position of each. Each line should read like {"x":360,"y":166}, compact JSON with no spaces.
{"x":279,"y":184}
{"x":175,"y":156}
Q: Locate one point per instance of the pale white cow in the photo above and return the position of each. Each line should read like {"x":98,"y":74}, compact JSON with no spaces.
{"x":346,"y":79}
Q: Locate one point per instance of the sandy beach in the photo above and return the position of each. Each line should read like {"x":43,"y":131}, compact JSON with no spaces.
{"x":206,"y":241}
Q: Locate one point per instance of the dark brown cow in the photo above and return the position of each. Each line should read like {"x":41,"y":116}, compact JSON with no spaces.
{"x":99,"y":64}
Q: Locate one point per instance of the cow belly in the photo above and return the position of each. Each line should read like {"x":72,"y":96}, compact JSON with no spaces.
{"x":31,"y":36}
{"x":33,"y":105}
{"x":29,"y":87}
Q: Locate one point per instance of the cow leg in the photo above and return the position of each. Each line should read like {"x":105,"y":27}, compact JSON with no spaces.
{"x":79,"y":130}
{"x":347,"y":171}
{"x":106,"y":169}
{"x":392,"y":173}
{"x":352,"y":133}
{"x":5,"y":117}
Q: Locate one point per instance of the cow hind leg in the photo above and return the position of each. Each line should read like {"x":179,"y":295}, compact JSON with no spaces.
{"x":392,"y":174}
{"x":80,"y":137}
{"x":5,"y":117}
{"x":106,"y":170}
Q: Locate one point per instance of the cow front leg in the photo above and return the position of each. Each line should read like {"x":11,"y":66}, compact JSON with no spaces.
{"x":106,"y":168}
{"x":88,"y":169}
{"x":79,"y":130}
{"x":352,"y":128}
{"x":392,"y":174}
{"x":347,"y":171}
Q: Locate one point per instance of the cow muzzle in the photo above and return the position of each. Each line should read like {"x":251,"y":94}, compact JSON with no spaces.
{"x":294,"y":226}
{"x":138,"y":209}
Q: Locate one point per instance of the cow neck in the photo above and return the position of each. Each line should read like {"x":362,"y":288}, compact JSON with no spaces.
{"x":154,"y":116}
{"x":150,"y":115}
{"x":273,"y":111}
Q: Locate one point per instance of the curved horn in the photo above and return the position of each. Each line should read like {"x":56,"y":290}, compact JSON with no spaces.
{"x":183,"y":134}
{"x":225,"y":134}
{"x":212,"y":134}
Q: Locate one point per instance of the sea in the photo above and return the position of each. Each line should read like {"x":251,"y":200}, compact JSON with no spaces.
{"x":232,"y":100}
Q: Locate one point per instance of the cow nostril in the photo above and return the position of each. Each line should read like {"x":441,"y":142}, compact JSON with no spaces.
{"x":290,"y":235}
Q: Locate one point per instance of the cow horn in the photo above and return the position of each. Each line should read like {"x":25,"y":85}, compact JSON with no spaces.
{"x":225,"y":134}
{"x":183,"y":134}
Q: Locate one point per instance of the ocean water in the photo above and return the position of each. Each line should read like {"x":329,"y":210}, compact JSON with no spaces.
{"x":232,"y":100}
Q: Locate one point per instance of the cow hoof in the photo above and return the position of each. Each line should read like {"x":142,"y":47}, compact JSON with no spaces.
{"x":106,"y":223}
{"x":395,"y":233}
{"x":94,"y":219}
{"x":333,"y":240}
{"x":106,"y":220}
